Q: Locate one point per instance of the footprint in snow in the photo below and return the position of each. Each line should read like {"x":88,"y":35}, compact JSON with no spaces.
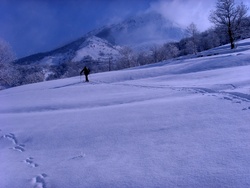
{"x":39,"y":181}
{"x":19,"y":148}
{"x":30,"y":162}
{"x":13,"y":139}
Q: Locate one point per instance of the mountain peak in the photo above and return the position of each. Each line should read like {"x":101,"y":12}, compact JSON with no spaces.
{"x":150,"y":28}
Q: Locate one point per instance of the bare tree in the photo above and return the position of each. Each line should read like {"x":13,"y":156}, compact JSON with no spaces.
{"x":230,"y":16}
{"x":193,"y":33}
{"x":156,"y":53}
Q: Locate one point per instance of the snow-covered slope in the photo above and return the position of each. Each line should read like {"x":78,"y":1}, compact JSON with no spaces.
{"x":180,"y":123}
{"x":97,"y":49}
{"x":91,"y":47}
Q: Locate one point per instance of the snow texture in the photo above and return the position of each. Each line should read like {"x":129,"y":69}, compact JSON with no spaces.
{"x":178,"y":123}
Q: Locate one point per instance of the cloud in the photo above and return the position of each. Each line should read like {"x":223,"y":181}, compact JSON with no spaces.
{"x":184,"y":12}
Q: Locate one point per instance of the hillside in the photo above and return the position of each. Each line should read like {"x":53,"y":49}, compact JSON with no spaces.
{"x":177,"y":123}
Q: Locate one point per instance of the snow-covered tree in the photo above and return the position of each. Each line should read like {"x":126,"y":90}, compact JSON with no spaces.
{"x":7,"y":72}
{"x":26,"y":74}
{"x":6,"y":53}
{"x":229,"y":16}
{"x":127,"y":58}
{"x":171,"y":50}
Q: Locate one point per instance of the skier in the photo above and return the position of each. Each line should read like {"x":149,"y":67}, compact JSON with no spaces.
{"x":86,"y":72}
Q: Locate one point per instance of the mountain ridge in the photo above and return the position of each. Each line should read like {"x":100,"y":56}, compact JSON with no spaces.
{"x":126,"y":33}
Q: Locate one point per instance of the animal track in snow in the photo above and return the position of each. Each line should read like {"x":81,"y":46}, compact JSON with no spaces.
{"x":30,"y":162}
{"x":11,"y":137}
{"x":19,"y":148}
{"x":39,"y":181}
{"x":234,"y":97}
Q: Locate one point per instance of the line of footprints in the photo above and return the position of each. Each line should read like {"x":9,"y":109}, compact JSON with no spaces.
{"x":37,"y":181}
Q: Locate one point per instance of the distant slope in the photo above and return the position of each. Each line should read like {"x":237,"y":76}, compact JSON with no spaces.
{"x":84,"y":48}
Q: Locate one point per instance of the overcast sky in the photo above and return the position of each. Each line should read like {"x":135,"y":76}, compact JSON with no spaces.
{"x":32,"y":26}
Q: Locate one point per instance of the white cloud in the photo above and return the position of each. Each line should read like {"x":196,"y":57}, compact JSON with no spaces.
{"x":184,"y":12}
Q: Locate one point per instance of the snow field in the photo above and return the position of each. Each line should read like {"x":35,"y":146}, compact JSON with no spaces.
{"x":180,"y":123}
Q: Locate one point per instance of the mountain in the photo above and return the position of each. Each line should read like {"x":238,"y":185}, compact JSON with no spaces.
{"x":142,"y":30}
{"x":90,"y":47}
{"x":136,"y":32}
{"x":178,"y":123}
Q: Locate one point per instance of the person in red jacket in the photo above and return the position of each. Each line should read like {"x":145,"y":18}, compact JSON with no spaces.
{"x":86,"y":72}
